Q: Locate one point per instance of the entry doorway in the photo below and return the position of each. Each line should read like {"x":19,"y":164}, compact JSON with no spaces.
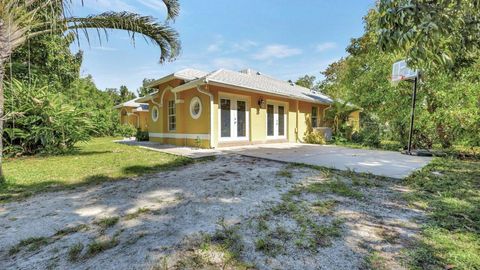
{"x":234,"y":118}
{"x":276,"y":121}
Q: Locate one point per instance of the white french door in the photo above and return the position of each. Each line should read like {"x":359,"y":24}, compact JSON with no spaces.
{"x":276,"y":121}
{"x":233,"y":119}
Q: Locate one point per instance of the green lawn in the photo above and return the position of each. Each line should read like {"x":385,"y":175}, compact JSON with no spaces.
{"x":95,"y":161}
{"x":449,"y":191}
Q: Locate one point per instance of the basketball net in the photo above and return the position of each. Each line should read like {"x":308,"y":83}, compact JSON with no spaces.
{"x":396,"y":79}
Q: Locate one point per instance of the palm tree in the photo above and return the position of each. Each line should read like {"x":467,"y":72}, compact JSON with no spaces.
{"x":21,"y":20}
{"x":338,"y":113}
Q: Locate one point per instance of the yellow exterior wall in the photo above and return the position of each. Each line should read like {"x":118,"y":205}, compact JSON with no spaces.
{"x":258,"y":115}
{"x":136,"y":119}
{"x":189,"y":131}
{"x":196,"y":132}
{"x":354,"y":120}
{"x":305,"y":118}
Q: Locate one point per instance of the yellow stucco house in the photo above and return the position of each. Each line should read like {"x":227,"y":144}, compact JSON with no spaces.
{"x":134,"y":113}
{"x":226,"y":108}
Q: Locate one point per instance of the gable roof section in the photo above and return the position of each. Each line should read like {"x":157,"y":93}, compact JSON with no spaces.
{"x":250,"y":79}
{"x":133,"y":103}
{"x":187,"y":74}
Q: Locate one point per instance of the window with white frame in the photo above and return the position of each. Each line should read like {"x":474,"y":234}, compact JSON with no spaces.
{"x":155,"y":114}
{"x":172,"y":119}
{"x":195,"y":108}
{"x":314,"y":117}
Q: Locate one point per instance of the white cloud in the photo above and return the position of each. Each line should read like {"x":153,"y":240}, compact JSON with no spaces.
{"x":244,"y":45}
{"x":154,"y":4}
{"x":276,"y":51}
{"x":103,"y":48}
{"x":105,"y":5}
{"x":325,"y":46}
{"x":217,"y":44}
{"x":228,"y":63}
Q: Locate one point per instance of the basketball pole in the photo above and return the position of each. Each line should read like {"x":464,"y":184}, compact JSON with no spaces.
{"x":414,"y":97}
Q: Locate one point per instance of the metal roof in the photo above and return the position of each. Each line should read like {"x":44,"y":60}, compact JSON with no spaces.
{"x":248,"y":79}
{"x":258,"y":82}
{"x":132,"y":103}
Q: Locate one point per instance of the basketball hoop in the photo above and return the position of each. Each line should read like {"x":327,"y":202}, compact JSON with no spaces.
{"x":401,"y":72}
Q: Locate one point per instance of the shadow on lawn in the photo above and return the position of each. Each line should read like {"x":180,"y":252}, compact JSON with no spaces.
{"x":449,"y":190}
{"x":11,"y":191}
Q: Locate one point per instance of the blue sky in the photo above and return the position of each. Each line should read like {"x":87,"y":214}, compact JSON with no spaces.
{"x":283,"y":38}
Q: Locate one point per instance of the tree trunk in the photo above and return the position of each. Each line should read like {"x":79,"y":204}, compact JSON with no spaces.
{"x":2,"y":101}
{"x":4,"y":54}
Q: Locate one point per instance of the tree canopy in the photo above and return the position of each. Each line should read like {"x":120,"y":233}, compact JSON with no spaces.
{"x":447,"y":112}
{"x":443,"y":33}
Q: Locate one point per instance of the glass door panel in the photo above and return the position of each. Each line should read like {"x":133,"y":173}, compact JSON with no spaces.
{"x":281,"y":121}
{"x":241,"y":118}
{"x":270,"y":120}
{"x":225,"y":117}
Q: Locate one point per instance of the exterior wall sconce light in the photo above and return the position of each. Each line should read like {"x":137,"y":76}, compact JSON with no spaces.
{"x":261,"y":102}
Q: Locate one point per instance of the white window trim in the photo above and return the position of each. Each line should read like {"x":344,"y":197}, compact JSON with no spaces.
{"x":174,"y":114}
{"x":276,"y":103}
{"x":233,"y":97}
{"x":155,"y":119}
{"x":317,"y":117}
{"x":192,"y":104}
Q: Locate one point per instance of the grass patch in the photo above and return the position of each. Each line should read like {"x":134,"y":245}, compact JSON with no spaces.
{"x":136,"y":214}
{"x":218,"y":251}
{"x":309,"y":235}
{"x":375,"y":261}
{"x":449,"y":191}
{"x":74,"y":252}
{"x":30,"y":244}
{"x":334,"y":186}
{"x":100,"y":245}
{"x":284,"y":173}
{"x":70,"y":230}
{"x":324,"y":207}
{"x":96,"y":161}
{"x":107,"y":222}
{"x":268,"y":246}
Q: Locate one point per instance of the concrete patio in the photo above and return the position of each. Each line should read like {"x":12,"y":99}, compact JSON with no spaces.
{"x":378,"y":162}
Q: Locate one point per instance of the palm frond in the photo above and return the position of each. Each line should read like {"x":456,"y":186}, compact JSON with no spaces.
{"x":173,"y":8}
{"x":161,"y":34}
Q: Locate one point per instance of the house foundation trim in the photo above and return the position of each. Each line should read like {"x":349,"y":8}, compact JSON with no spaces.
{"x":179,"y":136}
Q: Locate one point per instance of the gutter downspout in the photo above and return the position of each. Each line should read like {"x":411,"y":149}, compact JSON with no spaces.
{"x":205,"y":92}
{"x":296,"y":123}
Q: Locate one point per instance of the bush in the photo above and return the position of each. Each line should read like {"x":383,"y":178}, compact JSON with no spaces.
{"x":369,"y":135}
{"x":39,"y":121}
{"x":127,"y":130}
{"x":314,"y":137}
{"x":142,"y":136}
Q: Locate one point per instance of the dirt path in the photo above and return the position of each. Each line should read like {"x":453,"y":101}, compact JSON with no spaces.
{"x":154,"y":221}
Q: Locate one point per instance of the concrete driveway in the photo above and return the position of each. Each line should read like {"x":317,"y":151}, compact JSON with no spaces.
{"x":384,"y":163}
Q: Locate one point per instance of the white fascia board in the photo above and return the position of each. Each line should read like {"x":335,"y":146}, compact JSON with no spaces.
{"x":253,"y":90}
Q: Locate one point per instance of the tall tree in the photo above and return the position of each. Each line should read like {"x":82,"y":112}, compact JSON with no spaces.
{"x":23,"y":20}
{"x":46,"y":60}
{"x":125,"y":94}
{"x":442,"y":33}
{"x":144,"y":89}
{"x":306,"y":81}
